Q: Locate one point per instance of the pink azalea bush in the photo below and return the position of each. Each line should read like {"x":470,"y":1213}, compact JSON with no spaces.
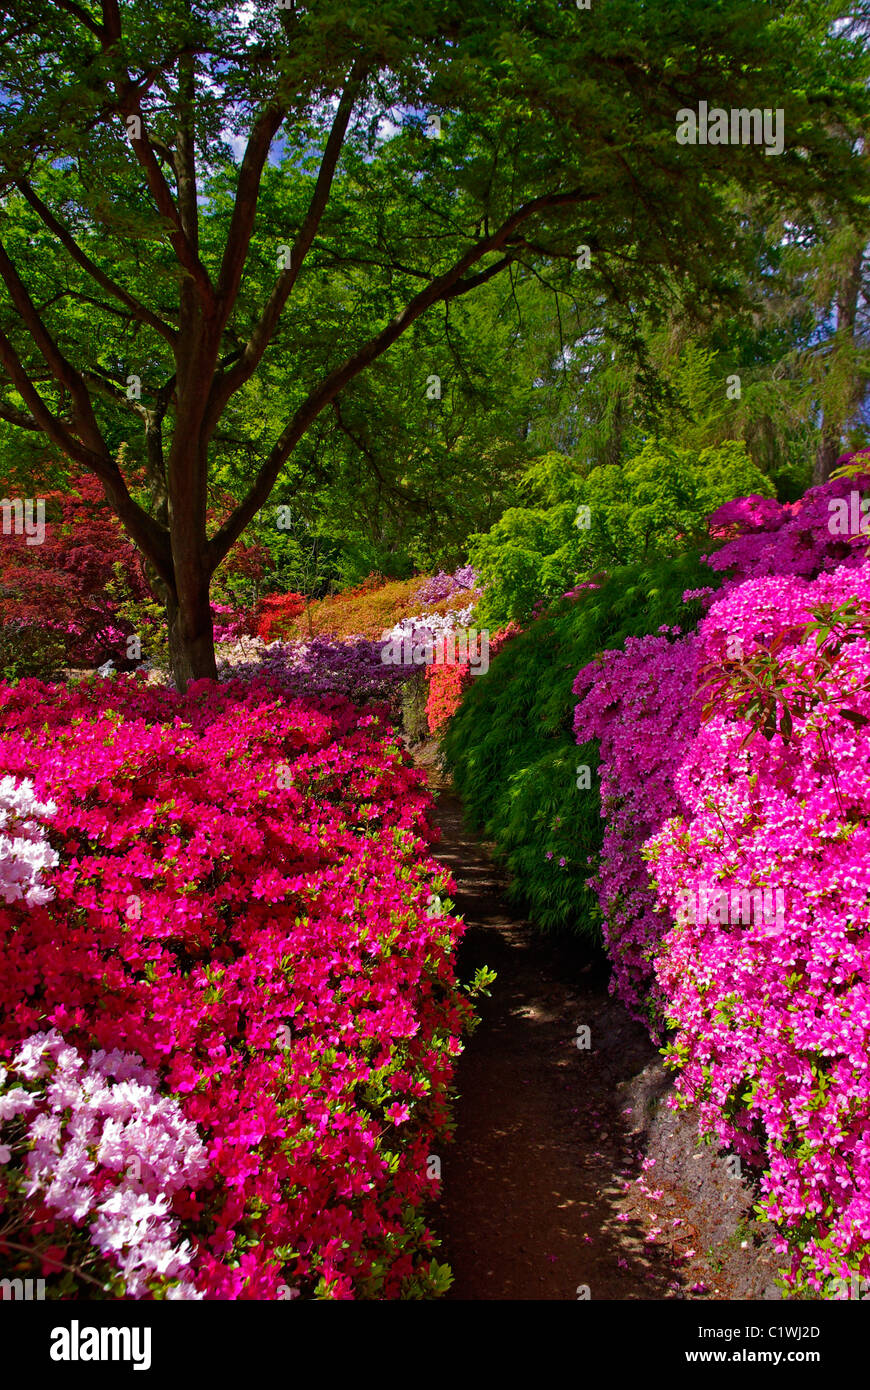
{"x":735,"y":873}
{"x":231,"y":623}
{"x":633,"y":701}
{"x":772,"y":1017}
{"x":241,"y":921}
{"x":115,"y":1165}
{"x":767,"y":537}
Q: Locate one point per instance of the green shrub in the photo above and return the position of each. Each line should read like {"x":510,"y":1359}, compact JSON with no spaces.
{"x":28,"y":649}
{"x":511,"y":750}
{"x":655,"y":504}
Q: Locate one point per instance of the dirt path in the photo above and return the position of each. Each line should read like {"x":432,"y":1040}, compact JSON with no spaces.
{"x":544,"y":1190}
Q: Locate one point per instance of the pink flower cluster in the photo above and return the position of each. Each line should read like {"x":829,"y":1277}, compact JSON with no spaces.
{"x":241,"y":901}
{"x":231,"y":623}
{"x":25,"y":852}
{"x":634,"y":702}
{"x":768,"y":537}
{"x":772,"y":1022}
{"x":735,"y":871}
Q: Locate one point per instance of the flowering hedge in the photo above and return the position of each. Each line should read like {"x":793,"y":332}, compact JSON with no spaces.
{"x":325,"y":667}
{"x":448,"y":681}
{"x":240,"y":949}
{"x":772,"y":1008}
{"x":734,"y":762}
{"x":639,"y":703}
{"x":763,"y":537}
{"x":373,"y":607}
{"x":634,"y":704}
{"x":231,"y":623}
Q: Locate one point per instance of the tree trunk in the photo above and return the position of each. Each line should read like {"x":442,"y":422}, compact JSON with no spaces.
{"x":829,"y":450}
{"x":191,"y":637}
{"x":837,"y":416}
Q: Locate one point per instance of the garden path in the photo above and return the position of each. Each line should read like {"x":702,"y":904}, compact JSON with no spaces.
{"x":534,"y":1202}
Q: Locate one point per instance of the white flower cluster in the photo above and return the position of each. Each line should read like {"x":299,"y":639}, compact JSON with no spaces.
{"x":428,"y":626}
{"x":103,"y":1119}
{"x":24,"y":848}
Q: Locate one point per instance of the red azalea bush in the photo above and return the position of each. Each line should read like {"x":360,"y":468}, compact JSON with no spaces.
{"x":276,"y":614}
{"x":446,"y":684}
{"x":448,"y":681}
{"x":241,"y":931}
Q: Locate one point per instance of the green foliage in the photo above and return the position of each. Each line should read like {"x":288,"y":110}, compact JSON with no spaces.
{"x":511,"y":749}
{"x":30,"y":650}
{"x":657,"y":503}
{"x":145,"y":616}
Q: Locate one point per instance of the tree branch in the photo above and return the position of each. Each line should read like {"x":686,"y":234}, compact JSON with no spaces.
{"x":152,"y":539}
{"x":264,"y":130}
{"x":82,"y":16}
{"x":129,"y":105}
{"x":63,"y":371}
{"x":138,"y":310}
{"x":234,"y":255}
{"x":451,"y":283}
{"x":18,"y":418}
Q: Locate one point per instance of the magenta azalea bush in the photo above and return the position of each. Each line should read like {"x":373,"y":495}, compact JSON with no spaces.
{"x":735,"y":871}
{"x":634,"y":704}
{"x":771,"y":1009}
{"x":803,"y":537}
{"x":238,"y":980}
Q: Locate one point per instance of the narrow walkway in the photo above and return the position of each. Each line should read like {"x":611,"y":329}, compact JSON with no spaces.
{"x":565,"y":1171}
{"x":532,"y":1181}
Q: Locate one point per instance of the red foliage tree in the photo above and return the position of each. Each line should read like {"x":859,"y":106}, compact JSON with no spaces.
{"x":63,"y":583}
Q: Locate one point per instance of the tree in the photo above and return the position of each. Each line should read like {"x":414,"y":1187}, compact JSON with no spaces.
{"x":165,"y":159}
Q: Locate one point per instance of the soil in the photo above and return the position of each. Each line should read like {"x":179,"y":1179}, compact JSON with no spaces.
{"x":569,"y":1176}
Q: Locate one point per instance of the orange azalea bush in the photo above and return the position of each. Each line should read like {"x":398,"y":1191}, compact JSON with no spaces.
{"x":370,"y":609}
